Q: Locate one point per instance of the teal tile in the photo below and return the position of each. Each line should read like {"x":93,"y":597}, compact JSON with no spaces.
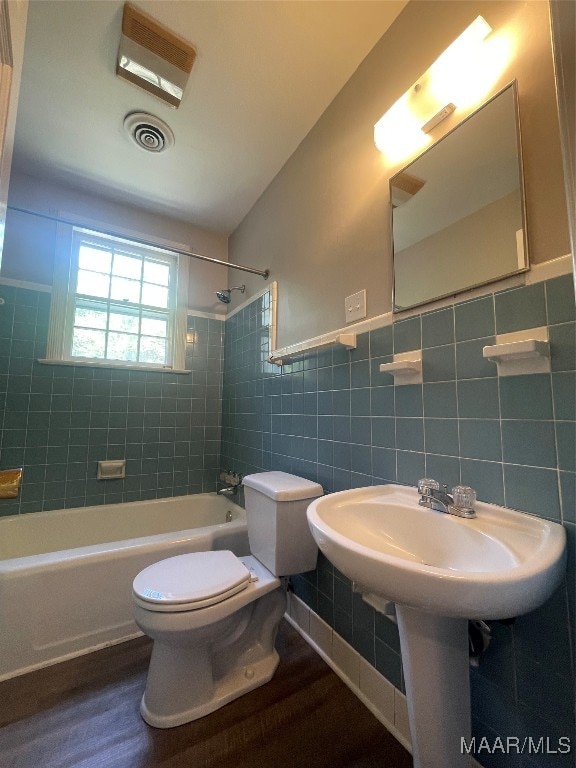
{"x":564,"y":394}
{"x":445,"y":469}
{"x":568,"y":496}
{"x":408,"y":400}
{"x":529,"y":442}
{"x":362,"y":350}
{"x":474,"y":319}
{"x":536,"y":684}
{"x":485,"y":477}
{"x":383,"y":432}
{"x":480,"y":439}
{"x":526,"y":397}
{"x":440,"y":399}
{"x":439,"y":363}
{"x":36,"y":437}
{"x":13,"y":438}
{"x":563,"y":347}
{"x":560,"y":299}
{"x":360,"y":373}
{"x":566,"y":445}
{"x":478,"y":399}
{"x":441,"y":436}
{"x":382,"y":400}
{"x":470,"y":362}
{"x":410,"y":467}
{"x":410,"y":434}
{"x":360,"y":430}
{"x":532,"y":489}
{"x":520,"y":308}
{"x":438,"y":328}
{"x":384,"y":464}
{"x":407,"y":335}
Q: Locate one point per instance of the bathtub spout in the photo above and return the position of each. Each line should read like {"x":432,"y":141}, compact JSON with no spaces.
{"x":231,"y":490}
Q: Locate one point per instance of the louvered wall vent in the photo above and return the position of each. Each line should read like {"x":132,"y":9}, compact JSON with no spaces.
{"x":148,"y":132}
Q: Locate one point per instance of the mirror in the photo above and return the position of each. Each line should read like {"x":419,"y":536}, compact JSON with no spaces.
{"x":458,"y":210}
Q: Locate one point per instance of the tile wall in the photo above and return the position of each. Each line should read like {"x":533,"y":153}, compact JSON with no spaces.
{"x":334,"y":418}
{"x":58,"y":421}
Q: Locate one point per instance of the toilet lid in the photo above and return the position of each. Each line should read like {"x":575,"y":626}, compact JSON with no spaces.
{"x":198,"y":579}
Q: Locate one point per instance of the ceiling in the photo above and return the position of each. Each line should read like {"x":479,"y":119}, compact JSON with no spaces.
{"x":265,"y":71}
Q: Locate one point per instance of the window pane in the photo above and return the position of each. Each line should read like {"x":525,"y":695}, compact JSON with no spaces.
{"x":125,"y":290}
{"x":88,"y":343}
{"x":152,"y":350}
{"x":90,"y":317}
{"x":156,"y":272}
{"x":154,"y":327}
{"x":93,"y":284}
{"x":122,"y":346}
{"x":154,"y":295}
{"x":124,"y":321}
{"x":96,"y":259}
{"x":127,"y":266}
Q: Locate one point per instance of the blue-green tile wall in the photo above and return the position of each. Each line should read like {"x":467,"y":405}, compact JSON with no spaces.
{"x":334,"y":418}
{"x":58,"y":421}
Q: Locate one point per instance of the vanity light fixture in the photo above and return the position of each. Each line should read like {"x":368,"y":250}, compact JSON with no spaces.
{"x":459,"y":78}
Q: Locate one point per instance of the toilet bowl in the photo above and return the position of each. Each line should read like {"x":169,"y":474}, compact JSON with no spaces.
{"x":214,"y":616}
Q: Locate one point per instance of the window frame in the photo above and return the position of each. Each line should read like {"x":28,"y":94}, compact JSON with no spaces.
{"x":64,"y":295}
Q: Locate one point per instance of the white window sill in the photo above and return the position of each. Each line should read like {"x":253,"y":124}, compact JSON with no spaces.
{"x":113,"y":364}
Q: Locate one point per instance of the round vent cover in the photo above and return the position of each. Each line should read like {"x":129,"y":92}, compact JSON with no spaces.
{"x":148,"y":132}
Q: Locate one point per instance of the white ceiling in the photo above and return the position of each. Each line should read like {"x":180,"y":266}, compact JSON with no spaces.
{"x":265,"y":71}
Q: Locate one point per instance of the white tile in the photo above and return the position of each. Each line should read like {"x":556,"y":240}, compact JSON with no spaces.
{"x":401,"y":714}
{"x":346,"y":659}
{"x":300,"y":613}
{"x":321,"y":633}
{"x":378,"y":690}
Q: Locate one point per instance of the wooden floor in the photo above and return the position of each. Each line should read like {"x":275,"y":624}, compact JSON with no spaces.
{"x":83,"y":713}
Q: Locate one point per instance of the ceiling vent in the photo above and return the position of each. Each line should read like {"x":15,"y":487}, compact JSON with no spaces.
{"x":148,"y":132}
{"x":152,"y":57}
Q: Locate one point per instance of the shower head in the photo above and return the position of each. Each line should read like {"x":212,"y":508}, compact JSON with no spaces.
{"x":224,"y":296}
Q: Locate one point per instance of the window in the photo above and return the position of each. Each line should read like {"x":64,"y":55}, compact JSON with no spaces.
{"x":116,"y":301}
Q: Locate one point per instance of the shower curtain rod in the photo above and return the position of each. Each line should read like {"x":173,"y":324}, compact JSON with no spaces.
{"x":263,"y":273}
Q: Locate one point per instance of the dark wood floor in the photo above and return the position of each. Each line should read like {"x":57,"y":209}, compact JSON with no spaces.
{"x":83,"y":713}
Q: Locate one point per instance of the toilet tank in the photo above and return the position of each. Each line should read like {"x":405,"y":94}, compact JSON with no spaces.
{"x":278,"y":530}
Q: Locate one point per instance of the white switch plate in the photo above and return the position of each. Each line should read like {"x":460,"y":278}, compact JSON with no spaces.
{"x":355,"y":306}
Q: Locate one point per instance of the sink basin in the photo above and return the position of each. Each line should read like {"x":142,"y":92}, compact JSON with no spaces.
{"x":500,"y":564}
{"x":440,"y":570}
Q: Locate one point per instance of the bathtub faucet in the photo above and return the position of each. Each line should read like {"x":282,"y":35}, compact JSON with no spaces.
{"x":233,"y":479}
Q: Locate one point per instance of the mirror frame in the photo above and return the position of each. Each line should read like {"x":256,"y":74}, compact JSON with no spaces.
{"x":513,"y":85}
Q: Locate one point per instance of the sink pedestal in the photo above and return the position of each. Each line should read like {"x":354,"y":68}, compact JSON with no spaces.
{"x":437,"y":676}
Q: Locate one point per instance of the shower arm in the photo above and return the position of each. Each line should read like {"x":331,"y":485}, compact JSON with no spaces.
{"x":265,"y":273}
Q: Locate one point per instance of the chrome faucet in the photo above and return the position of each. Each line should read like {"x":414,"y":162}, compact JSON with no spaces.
{"x":234,"y":481}
{"x":460,"y":503}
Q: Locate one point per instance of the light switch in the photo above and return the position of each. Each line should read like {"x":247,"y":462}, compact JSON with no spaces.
{"x":355,"y":306}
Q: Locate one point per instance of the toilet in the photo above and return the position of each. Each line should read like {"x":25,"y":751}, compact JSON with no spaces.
{"x":214,"y":616}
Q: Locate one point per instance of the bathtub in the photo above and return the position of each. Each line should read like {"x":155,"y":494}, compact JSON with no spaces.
{"x":66,"y":575}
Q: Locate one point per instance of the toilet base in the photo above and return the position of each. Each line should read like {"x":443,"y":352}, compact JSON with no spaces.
{"x":194,"y":673}
{"x":241,"y":681}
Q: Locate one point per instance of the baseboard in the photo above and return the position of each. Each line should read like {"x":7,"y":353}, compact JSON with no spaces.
{"x":385,"y":701}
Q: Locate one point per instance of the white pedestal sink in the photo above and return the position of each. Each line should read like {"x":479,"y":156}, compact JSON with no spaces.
{"x":440,"y":570}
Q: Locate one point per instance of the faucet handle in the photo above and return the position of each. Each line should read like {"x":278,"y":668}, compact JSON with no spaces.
{"x":464,"y":496}
{"x":426,"y":484}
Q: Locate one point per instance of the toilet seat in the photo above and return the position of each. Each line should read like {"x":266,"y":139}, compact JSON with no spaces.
{"x":192,"y":581}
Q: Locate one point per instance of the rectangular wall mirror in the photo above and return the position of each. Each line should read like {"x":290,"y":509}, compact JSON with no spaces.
{"x":458,"y":218}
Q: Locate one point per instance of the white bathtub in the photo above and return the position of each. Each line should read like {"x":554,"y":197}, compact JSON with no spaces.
{"x":66,"y":575}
